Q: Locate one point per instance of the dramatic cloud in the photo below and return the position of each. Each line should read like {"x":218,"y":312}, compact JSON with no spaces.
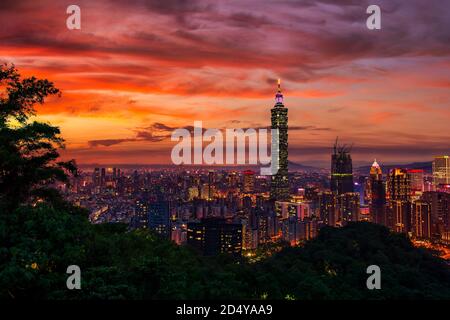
{"x":172,"y":62}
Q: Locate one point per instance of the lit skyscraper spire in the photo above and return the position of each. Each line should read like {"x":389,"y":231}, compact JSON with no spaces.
{"x":375,"y":170}
{"x":279,"y":95}
{"x":377,"y":192}
{"x":279,"y":183}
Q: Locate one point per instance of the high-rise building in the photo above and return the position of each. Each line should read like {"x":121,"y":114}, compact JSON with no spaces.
{"x":441,"y":170}
{"x":399,"y":185}
{"x":421,"y":219}
{"x":341,"y":170}
{"x":141,"y":209}
{"x":327,"y":208}
{"x":377,"y":195}
{"x":279,"y":182}
{"x":249,"y":181}
{"x":399,"y":219}
{"x":159,"y":218}
{"x":214,"y":236}
{"x":347,"y":207}
{"x":399,"y":194}
{"x":416,"y":180}
{"x":440,"y":214}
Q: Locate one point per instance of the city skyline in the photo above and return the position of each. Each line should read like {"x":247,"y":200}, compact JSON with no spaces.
{"x":125,"y":88}
{"x":252,"y":152}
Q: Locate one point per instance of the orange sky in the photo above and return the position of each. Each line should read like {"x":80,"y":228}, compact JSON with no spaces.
{"x":138,"y":69}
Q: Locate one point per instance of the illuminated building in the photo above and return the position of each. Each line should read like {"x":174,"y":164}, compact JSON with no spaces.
{"x":141,"y":209}
{"x":290,"y":230}
{"x":421,"y":219}
{"x":399,"y":185}
{"x":279,"y":182}
{"x":179,"y":233}
{"x":399,"y":194}
{"x":441,"y":170}
{"x":400,"y":215}
{"x":308,"y":229}
{"x":192,"y":193}
{"x":377,"y":202}
{"x":285,"y":209}
{"x":249,"y":181}
{"x":159,"y":218}
{"x":440,"y":213}
{"x":341,"y":170}
{"x":214,"y":236}
{"x":249,"y":235}
{"x":347,"y":207}
{"x":327,"y":208}
{"x":416,"y":180}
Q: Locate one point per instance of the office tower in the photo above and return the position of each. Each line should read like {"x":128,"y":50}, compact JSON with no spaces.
{"x":265,"y":226}
{"x":347,"y":207}
{"x":279,"y":182}
{"x":159,"y":218}
{"x":249,"y":181}
{"x":377,"y":195}
{"x":290,"y":230}
{"x":440,"y":214}
{"x":308,"y":229}
{"x":327,"y":208}
{"x":400,"y":215}
{"x":341,"y":170}
{"x":441,"y":170}
{"x":214,"y":236}
{"x":249,"y":234}
{"x":421,"y":219}
{"x":299,"y":210}
{"x":141,"y":209}
{"x":399,"y":185}
{"x":416,"y":180}
{"x":399,"y":194}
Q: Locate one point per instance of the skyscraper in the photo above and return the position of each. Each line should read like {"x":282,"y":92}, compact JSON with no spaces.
{"x":399,"y":185}
{"x":279,"y":183}
{"x":159,"y":218}
{"x":213,"y":236}
{"x":377,"y":202}
{"x":441,"y":170}
{"x":416,"y":180}
{"x":399,"y":194}
{"x":341,"y":170}
{"x":249,"y":181}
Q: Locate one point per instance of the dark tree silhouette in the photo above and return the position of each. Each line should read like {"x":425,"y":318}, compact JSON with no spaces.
{"x":28,"y":149}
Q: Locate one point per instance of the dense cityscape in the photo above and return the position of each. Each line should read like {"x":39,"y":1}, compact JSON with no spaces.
{"x":236,"y":210}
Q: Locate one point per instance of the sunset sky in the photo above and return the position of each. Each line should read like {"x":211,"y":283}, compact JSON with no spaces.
{"x":139,"y":69}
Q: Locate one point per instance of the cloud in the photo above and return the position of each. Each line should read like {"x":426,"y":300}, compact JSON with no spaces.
{"x":107,"y":142}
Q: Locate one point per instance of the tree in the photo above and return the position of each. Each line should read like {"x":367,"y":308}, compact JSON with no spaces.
{"x":28,"y":149}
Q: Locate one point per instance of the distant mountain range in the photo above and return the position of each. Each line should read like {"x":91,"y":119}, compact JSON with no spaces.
{"x":426,"y":166}
{"x":293,"y":166}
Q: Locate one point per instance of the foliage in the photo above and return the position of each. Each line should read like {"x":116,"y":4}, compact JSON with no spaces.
{"x":28,"y":149}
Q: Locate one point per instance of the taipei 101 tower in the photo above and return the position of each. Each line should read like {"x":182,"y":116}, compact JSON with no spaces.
{"x":279,"y":187}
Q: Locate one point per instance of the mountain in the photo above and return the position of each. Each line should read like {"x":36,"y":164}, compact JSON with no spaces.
{"x":293,"y":166}
{"x":426,"y":166}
